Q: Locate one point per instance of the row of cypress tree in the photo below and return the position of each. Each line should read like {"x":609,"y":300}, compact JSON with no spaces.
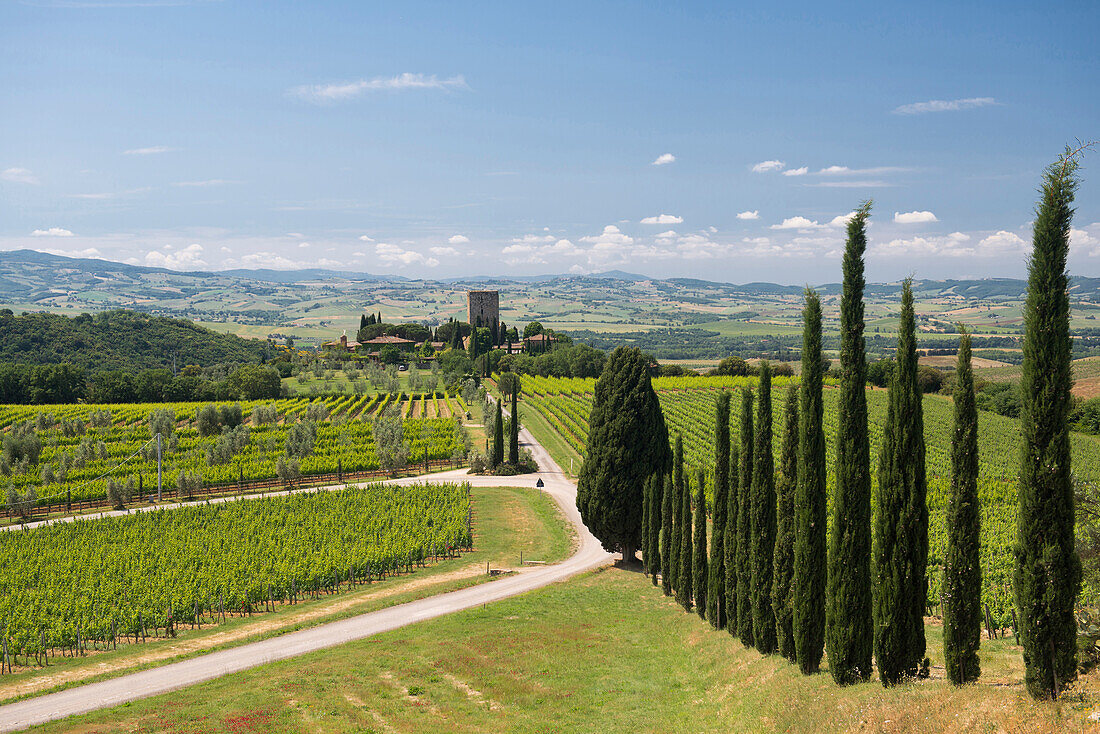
{"x":764,"y":580}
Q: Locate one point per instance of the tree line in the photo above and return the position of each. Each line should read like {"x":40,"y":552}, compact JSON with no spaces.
{"x":772,"y":576}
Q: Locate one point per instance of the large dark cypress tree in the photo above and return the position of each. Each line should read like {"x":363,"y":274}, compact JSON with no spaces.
{"x":809,"y":548}
{"x":716,"y":593}
{"x":627,"y":442}
{"x":961,"y":595}
{"x":677,"y":502}
{"x":731,"y":541}
{"x":498,"y":438}
{"x":744,"y":527}
{"x":762,"y":519}
{"x":685,"y":591}
{"x":668,"y":511}
{"x":849,"y":630}
{"x":901,"y":524}
{"x":699,"y":540}
{"x":1048,"y":570}
{"x":783,"y":579}
{"x":513,"y":434}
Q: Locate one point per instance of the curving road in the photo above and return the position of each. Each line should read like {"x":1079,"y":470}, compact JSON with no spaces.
{"x":589,"y":555}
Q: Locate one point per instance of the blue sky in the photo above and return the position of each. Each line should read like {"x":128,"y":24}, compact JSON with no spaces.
{"x":442,"y":139}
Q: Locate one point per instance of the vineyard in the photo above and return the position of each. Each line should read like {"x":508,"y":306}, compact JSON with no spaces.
{"x":65,"y":450}
{"x":71,"y":586}
{"x":688,"y":405}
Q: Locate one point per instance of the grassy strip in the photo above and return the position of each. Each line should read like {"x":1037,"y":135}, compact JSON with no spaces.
{"x":508,"y":521}
{"x":603,"y":652}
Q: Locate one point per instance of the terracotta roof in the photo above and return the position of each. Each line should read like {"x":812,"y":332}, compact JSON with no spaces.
{"x":542,"y":338}
{"x":389,"y":340}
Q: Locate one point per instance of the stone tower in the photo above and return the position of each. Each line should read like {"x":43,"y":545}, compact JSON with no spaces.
{"x":483,"y":308}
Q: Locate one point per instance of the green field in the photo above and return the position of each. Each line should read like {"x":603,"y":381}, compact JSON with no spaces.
{"x":605,"y":652}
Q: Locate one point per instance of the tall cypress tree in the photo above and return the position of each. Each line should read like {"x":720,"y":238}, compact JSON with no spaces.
{"x":716,"y":593}
{"x":699,"y":540}
{"x":685,"y":591}
{"x":653,"y":527}
{"x":762,"y":519}
{"x":744,"y":526}
{"x":901,"y":524}
{"x":809,"y":548}
{"x":513,"y":435}
{"x":783,"y":579}
{"x":962,"y":570}
{"x":627,"y":442}
{"x":647,"y":554}
{"x":1048,"y":570}
{"x":498,"y":438}
{"x":849,"y":630}
{"x":732,"y":542}
{"x":668,"y":510}
{"x":677,"y":501}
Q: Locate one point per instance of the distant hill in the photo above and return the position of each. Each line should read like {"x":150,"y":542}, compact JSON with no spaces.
{"x":113,"y":340}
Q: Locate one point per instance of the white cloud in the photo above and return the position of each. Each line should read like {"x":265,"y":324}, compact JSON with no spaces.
{"x":834,"y":170}
{"x":663,"y":219}
{"x":753,"y":214}
{"x":534,"y":239}
{"x":86,"y":252}
{"x":765,"y":166}
{"x":796,"y":223}
{"x":151,"y":150}
{"x":188,"y":257}
{"x":666,"y":235}
{"x":871,"y":171}
{"x":396,"y":255}
{"x":841,"y":220}
{"x":322,"y":93}
{"x":940,"y":105}
{"x":303,"y":245}
{"x":956,"y":244}
{"x":914,"y":217}
{"x":18,"y":175}
{"x":444,"y":251}
{"x":797,"y":171}
{"x":1001,"y":242}
{"x":458,"y":239}
{"x":364,"y":238}
{"x":51,"y":232}
{"x":664,"y":159}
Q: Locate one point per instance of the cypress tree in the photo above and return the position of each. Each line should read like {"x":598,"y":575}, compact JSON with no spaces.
{"x":809,"y":548}
{"x":677,"y":501}
{"x":731,"y":541}
{"x":699,"y":540}
{"x":647,"y":556}
{"x":849,"y":630}
{"x":783,"y":579}
{"x":716,"y":592}
{"x":627,"y":442}
{"x":744,"y":527}
{"x":513,"y":435}
{"x":668,"y":507}
{"x":653,"y":527}
{"x":686,"y":588}
{"x":498,"y":438}
{"x":762,"y":519}
{"x":362,"y":321}
{"x":901,"y":524}
{"x":962,"y":570}
{"x":1048,"y":570}
{"x":456,"y":336}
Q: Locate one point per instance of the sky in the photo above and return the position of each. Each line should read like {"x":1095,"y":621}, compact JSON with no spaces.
{"x":725,"y":141}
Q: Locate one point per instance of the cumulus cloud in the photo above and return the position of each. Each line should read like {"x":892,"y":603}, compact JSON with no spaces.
{"x":444,"y":251}
{"x":797,"y":171}
{"x":18,"y":175}
{"x":914,"y":217}
{"x":796,"y":223}
{"x":664,"y":159}
{"x":765,"y":166}
{"x":841,"y":220}
{"x":188,"y":257}
{"x":1001,"y":242}
{"x":151,"y":150}
{"x":754,"y":214}
{"x":365,"y":238}
{"x":956,"y":244}
{"x":51,"y":232}
{"x":944,"y":105}
{"x":396,"y":255}
{"x":86,"y":252}
{"x":458,"y":239}
{"x":663,"y":219}
{"x":322,"y":93}
{"x":1083,"y":241}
